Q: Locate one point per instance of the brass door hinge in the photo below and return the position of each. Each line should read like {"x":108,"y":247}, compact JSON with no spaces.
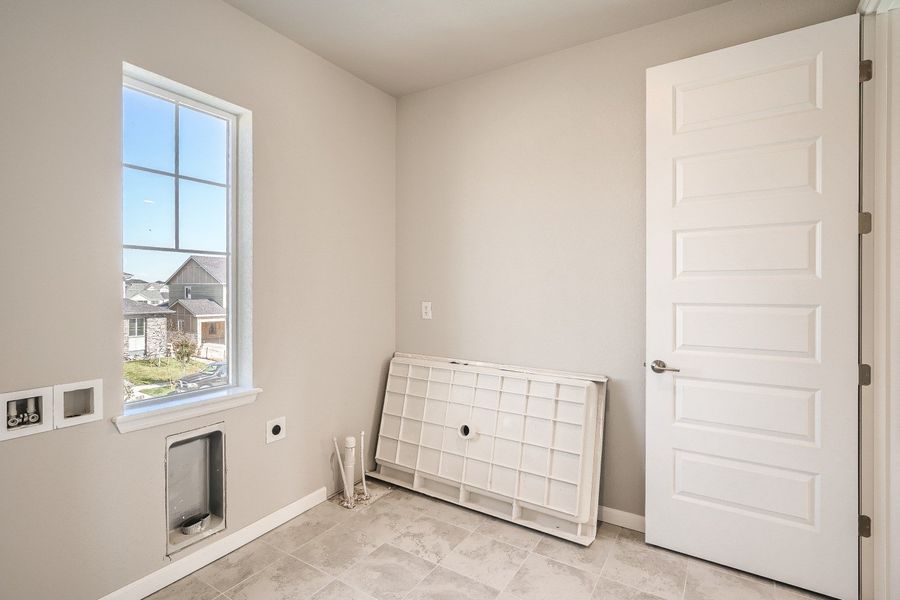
{"x":865,"y":71}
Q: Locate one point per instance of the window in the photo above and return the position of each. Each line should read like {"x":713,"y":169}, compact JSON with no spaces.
{"x":136,"y":327}
{"x":178,"y":230}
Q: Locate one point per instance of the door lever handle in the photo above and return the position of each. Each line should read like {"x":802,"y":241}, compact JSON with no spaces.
{"x":658,"y":366}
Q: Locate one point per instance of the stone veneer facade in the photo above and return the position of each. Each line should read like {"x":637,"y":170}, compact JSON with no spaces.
{"x":155,"y":333}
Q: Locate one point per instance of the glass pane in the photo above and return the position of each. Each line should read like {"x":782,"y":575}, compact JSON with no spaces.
{"x":148,"y":130}
{"x":177,"y":344}
{"x":202,"y":216}
{"x":203,"y":145}
{"x":148,"y":209}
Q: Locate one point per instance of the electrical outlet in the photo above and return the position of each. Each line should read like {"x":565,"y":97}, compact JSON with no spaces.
{"x":276,"y":430}
{"x":426,"y":310}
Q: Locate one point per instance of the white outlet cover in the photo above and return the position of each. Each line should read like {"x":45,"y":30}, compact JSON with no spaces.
{"x":271,"y":437}
{"x":426,"y":310}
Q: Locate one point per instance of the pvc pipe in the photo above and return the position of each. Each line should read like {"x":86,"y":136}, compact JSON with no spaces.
{"x":341,"y":465}
{"x":362,"y":461}
{"x":349,"y":465}
{"x":31,"y":405}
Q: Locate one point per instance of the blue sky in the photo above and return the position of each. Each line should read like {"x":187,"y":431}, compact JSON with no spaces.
{"x":148,"y":199}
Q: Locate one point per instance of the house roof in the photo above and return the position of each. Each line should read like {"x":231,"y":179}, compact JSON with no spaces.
{"x":152,"y":292}
{"x":214,"y":265}
{"x":201,"y":307}
{"x":131,"y":308}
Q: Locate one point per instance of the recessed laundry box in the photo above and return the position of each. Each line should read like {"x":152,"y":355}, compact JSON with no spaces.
{"x":519,"y":444}
{"x":195,"y":486}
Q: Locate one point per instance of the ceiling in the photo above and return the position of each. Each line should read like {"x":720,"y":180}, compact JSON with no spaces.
{"x":404,"y":46}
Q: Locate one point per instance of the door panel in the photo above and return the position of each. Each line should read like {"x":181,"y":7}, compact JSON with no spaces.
{"x":752,"y":160}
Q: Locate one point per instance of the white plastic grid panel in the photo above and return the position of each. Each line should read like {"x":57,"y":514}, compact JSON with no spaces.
{"x":531,"y":437}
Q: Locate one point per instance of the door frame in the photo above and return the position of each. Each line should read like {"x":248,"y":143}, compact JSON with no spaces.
{"x":880,"y":311}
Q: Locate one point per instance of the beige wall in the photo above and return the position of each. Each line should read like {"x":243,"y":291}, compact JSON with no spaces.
{"x":87,"y":502}
{"x":520,"y":211}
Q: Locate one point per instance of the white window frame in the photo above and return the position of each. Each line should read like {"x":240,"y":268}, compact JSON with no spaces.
{"x":238,"y":327}
{"x":136,"y":321}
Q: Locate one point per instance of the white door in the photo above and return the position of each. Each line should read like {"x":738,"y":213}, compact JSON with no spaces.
{"x":752,"y":293}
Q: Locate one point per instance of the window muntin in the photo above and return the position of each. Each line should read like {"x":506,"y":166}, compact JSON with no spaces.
{"x":136,"y":327}
{"x":178,"y":229}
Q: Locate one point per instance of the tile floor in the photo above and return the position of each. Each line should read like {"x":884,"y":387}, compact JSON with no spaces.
{"x":404,"y":545}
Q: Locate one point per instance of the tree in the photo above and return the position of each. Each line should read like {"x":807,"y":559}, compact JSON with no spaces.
{"x":183,"y":347}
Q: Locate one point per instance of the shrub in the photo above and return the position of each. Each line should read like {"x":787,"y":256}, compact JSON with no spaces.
{"x":183,"y":347}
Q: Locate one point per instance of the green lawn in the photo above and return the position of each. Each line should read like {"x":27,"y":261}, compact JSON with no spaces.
{"x":165,"y":370}
{"x":160,"y":391}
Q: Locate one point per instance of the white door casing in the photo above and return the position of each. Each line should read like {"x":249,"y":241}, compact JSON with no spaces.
{"x":752,"y":202}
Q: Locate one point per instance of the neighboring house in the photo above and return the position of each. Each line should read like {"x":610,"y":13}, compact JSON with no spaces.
{"x":156,"y":293}
{"x":144,"y":328}
{"x":198,"y":298}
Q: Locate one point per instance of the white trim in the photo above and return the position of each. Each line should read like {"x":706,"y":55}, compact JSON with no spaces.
{"x":868,"y":7}
{"x":881,"y":196}
{"x":171,"y":573}
{"x":238,"y":302}
{"x":195,"y":405}
{"x":628,"y":520}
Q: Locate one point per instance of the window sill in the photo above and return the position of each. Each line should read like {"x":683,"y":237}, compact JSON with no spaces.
{"x":137,"y":418}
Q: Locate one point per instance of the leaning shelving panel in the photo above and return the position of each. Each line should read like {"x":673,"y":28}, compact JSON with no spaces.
{"x":516,"y":443}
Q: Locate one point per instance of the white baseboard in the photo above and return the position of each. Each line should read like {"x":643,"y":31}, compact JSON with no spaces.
{"x":628,"y":520}
{"x":171,"y":573}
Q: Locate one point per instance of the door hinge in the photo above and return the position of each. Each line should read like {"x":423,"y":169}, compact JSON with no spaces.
{"x":865,"y":526}
{"x":865,"y":71}
{"x":865,"y":223}
{"x":865,"y":374}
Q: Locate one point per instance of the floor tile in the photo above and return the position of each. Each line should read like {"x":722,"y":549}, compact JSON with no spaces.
{"x":444,"y":584}
{"x":287,"y":579}
{"x":338,"y":590}
{"x":589,"y":558}
{"x":693,"y":560}
{"x":608,"y":530}
{"x":541,"y":578}
{"x":455,"y":515}
{"x":630,"y":535}
{"x":788,"y":592}
{"x":510,"y":533}
{"x":339,"y":548}
{"x":388,"y":573}
{"x":610,"y":590}
{"x":485,"y":560}
{"x":233,"y":568}
{"x":407,"y":500}
{"x":188,"y":587}
{"x":429,"y":538}
{"x":305,"y":527}
{"x":646,"y":569}
{"x":705,"y":583}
